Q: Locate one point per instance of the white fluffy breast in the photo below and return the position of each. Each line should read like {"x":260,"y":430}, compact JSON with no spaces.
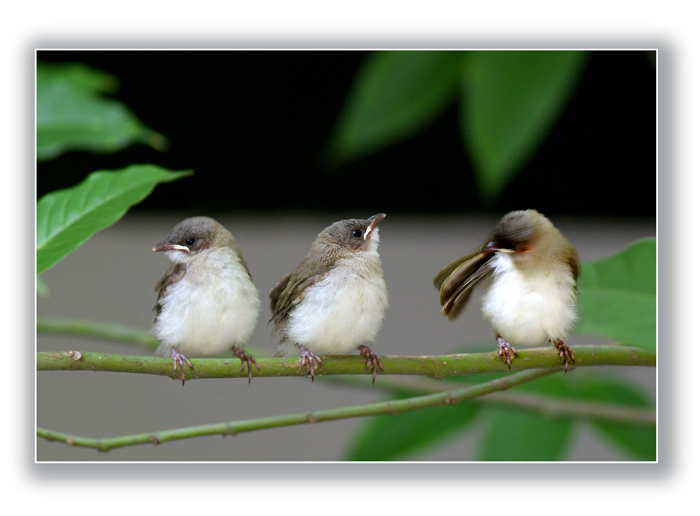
{"x":215,"y":305}
{"x":342,"y":311}
{"x":530,"y":309}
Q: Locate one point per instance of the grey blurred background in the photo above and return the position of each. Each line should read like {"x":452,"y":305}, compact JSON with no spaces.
{"x":111,"y":279}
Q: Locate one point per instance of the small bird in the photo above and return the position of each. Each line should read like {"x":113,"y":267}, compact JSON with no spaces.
{"x":207,"y":302}
{"x":530,"y":272}
{"x":334,"y":301}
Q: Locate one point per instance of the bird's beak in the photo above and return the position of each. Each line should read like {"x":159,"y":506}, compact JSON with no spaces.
{"x":167,"y":246}
{"x":373,"y":221}
{"x":491,"y":247}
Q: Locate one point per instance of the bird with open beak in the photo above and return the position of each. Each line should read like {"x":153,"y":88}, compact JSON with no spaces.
{"x":207,"y":302}
{"x":334,"y":301}
{"x":529,"y":271}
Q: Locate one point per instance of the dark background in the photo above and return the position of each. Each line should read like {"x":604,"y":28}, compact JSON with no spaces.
{"x":254,"y":125}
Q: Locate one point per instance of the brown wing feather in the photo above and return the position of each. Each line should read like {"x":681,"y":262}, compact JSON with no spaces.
{"x":172,"y":276}
{"x":275,"y":292}
{"x":575,"y":264}
{"x":289,"y":291}
{"x":461,"y":273}
{"x":461,"y":290}
{"x":457,"y":279}
{"x":448,"y":269}
{"x":290,"y":297}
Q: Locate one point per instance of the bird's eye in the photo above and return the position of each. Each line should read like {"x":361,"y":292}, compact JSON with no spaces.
{"x":189,"y":241}
{"x":357,"y":233}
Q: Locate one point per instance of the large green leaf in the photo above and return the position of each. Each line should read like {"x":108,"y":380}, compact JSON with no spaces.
{"x":518,"y":435}
{"x":510,"y":101}
{"x":65,"y":219}
{"x":515,"y":435}
{"x":72,"y":115}
{"x":396,"y":94}
{"x":395,"y":437}
{"x":522,"y":436}
{"x":637,"y":440}
{"x":617,"y":296}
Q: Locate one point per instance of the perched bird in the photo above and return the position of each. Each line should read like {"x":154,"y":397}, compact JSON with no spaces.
{"x":529,"y":270}
{"x":334,"y":301}
{"x":207,"y":302}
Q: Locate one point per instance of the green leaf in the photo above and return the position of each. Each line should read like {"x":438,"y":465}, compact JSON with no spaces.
{"x":395,"y":437}
{"x":543,"y":438}
{"x":510,"y":101}
{"x":395,"y":95}
{"x":519,"y":435}
{"x":617,"y":296}
{"x":67,"y":218}
{"x":42,"y":288}
{"x":72,"y":115}
{"x":522,"y":436}
{"x":639,"y":441}
{"x":515,"y":435}
{"x":78,"y":76}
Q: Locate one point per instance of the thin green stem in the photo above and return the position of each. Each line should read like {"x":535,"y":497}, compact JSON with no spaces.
{"x":237,"y":427}
{"x":96,"y":330}
{"x":552,"y":407}
{"x":546,"y":405}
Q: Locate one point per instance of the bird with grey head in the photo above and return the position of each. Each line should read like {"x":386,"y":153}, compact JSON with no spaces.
{"x":529,"y":273}
{"x":334,"y":300}
{"x":207,"y":302}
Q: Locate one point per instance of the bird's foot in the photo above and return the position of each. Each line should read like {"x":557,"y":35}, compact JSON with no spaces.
{"x":245,"y":358}
{"x":372,"y":360}
{"x":309,"y":357}
{"x":505,"y":350}
{"x":178,"y":359}
{"x":564,"y":352}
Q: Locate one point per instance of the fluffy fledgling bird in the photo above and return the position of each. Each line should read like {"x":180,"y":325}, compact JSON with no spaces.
{"x":207,"y":302}
{"x":530,"y":271}
{"x":334,"y":301}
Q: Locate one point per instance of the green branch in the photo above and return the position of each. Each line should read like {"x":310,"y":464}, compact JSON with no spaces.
{"x":96,"y":330}
{"x":439,"y":366}
{"x":237,"y":427}
{"x":553,"y":407}
{"x":548,"y":406}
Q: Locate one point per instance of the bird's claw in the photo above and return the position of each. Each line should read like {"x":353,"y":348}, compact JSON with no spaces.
{"x":564,"y":352}
{"x":245,"y":358}
{"x":372,"y":360}
{"x":506,"y":350}
{"x":178,"y":359}
{"x":308,"y":357}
